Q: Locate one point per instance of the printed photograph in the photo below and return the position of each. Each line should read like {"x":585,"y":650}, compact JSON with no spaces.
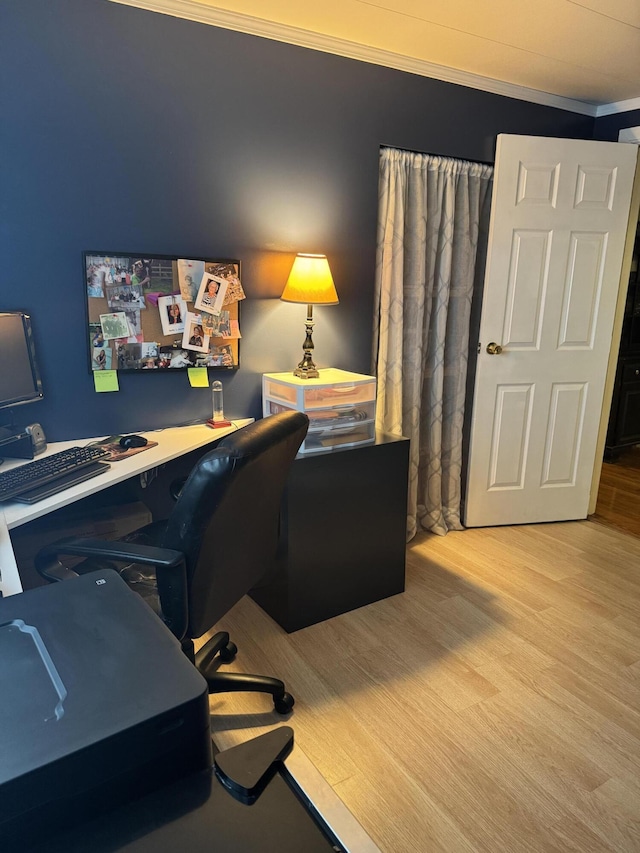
{"x":120,"y":297}
{"x":229,"y":274}
{"x":95,"y":281}
{"x":175,"y":357}
{"x":129,"y":356}
{"x":130,"y":277}
{"x":135,"y":326}
{"x":148,"y":355}
{"x":213,"y":323}
{"x":189,"y":278}
{"x":194,"y":337}
{"x":96,"y":338}
{"x":220,"y":356}
{"x":114,"y":326}
{"x":101,"y":358}
{"x":173,"y":311}
{"x":211,"y":294}
{"x":221,"y":326}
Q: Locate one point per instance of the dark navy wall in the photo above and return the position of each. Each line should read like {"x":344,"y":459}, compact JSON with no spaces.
{"x":608,"y":127}
{"x":128,"y":130}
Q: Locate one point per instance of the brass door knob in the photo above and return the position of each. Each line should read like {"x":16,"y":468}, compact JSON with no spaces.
{"x":493,"y":348}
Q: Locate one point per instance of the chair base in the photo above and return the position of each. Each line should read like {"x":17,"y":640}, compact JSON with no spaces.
{"x":220,"y":649}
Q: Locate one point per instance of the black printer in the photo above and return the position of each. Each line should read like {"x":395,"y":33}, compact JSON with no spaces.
{"x":99,"y":706}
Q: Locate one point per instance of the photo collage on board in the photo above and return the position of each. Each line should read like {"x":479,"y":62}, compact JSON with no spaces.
{"x":162,"y":313}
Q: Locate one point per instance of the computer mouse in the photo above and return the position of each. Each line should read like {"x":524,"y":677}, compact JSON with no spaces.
{"x":128,"y":441}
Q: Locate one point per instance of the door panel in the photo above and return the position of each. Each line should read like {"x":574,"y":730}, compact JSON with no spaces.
{"x":528,"y":278}
{"x":564,"y":431}
{"x":511,"y":427}
{"x":595,"y":187}
{"x":556,"y":241}
{"x":583,"y":289}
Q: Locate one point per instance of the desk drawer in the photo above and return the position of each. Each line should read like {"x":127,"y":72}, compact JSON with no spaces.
{"x":333,"y":388}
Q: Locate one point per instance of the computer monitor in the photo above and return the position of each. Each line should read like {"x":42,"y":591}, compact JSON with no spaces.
{"x":19,"y":374}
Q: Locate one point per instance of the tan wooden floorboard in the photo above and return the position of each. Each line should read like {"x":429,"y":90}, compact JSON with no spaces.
{"x":619,"y":492}
{"x":493,"y":706}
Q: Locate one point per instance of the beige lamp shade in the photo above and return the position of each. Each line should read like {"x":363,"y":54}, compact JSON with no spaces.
{"x":310,"y":281}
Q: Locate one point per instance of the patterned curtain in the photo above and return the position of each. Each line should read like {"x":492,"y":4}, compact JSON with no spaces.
{"x":430,"y":211}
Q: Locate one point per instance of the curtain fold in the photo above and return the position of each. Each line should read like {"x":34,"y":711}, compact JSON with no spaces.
{"x":430,"y":211}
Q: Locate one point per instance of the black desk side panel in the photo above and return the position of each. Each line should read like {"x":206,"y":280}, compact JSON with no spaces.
{"x":343,"y":534}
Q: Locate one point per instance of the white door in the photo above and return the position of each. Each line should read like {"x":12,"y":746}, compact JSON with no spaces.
{"x":556,"y":241}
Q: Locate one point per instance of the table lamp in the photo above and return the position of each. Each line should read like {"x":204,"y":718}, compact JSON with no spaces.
{"x":309,"y":281}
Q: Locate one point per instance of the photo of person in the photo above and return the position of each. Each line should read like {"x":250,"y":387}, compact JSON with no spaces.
{"x":141,"y":273}
{"x":95,"y":281}
{"x":211,"y":323}
{"x":149,"y":355}
{"x":189,"y":277}
{"x":197,"y":338}
{"x":220,"y":356}
{"x":228,"y":273}
{"x":129,"y":356}
{"x":101,"y":358}
{"x":194,"y":337}
{"x":181,"y":358}
{"x":221,"y":325}
{"x":211,"y":294}
{"x":96,"y":337}
{"x":164,"y":357}
{"x":123,"y":297}
{"x":114,"y":325}
{"x":173,"y":311}
{"x":135,"y":326}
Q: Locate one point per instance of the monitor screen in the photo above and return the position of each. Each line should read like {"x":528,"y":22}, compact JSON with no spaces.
{"x":19,"y":376}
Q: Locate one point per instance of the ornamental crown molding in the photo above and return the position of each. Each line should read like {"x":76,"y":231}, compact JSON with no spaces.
{"x":192,"y":10}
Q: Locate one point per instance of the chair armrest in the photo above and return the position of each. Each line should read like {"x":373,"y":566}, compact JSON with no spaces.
{"x":125,"y":552}
{"x":171,"y":572}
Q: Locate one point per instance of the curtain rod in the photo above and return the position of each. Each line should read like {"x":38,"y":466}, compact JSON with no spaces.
{"x":436,"y":154}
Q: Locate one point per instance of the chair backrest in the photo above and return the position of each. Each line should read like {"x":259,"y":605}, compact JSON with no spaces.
{"x":226,"y":520}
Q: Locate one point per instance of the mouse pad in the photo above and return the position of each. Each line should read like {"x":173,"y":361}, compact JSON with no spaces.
{"x":112,"y":445}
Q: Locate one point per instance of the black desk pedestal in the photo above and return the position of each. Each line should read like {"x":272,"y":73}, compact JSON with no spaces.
{"x":343,"y":534}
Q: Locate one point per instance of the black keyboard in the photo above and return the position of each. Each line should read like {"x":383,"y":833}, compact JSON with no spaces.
{"x":44,"y":477}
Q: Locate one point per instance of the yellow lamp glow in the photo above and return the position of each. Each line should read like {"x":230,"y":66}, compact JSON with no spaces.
{"x":309,"y":281}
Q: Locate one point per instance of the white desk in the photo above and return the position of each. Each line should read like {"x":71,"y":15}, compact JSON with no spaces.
{"x":172,"y":443}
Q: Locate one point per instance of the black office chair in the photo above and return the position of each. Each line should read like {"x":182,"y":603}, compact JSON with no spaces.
{"x":218,"y":543}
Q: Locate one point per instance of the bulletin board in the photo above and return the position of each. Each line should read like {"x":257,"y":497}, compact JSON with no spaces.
{"x":162,"y":312}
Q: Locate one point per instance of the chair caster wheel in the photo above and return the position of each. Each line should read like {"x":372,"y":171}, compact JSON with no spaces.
{"x":228,"y":653}
{"x":283,"y":704}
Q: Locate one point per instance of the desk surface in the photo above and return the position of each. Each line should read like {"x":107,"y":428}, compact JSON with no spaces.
{"x":172,"y":443}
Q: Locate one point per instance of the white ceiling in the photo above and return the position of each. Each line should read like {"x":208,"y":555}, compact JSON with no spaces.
{"x":581,"y":54}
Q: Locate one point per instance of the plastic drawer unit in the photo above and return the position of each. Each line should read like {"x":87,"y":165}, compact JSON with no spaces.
{"x":341,"y":406}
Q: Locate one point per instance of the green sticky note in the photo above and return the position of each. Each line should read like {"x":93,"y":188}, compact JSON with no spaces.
{"x":105,"y":380}
{"x":198,"y":377}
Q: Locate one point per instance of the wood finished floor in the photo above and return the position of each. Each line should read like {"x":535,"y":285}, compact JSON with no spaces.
{"x":493,"y":706}
{"x":618,"y":502}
